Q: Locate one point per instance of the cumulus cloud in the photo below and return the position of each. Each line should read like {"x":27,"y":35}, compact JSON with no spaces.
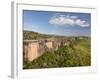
{"x":81,"y":23}
{"x":61,"y":20}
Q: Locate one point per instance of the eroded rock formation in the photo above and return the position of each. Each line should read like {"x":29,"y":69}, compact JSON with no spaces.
{"x":35,"y":48}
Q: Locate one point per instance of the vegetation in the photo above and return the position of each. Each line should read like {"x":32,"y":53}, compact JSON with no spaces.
{"x":30,"y":35}
{"x":73,"y":55}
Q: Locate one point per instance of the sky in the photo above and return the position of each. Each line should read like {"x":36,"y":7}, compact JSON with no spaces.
{"x":57,"y":23}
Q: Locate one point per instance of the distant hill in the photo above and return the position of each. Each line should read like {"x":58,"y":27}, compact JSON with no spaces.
{"x":30,"y":35}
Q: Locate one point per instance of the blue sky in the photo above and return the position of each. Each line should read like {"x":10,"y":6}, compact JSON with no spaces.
{"x":58,"y":23}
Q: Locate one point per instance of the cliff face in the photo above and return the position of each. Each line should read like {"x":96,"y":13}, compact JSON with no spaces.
{"x":33,"y":49}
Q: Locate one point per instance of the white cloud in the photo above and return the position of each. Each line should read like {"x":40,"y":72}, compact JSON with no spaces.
{"x":81,"y":23}
{"x":61,"y":20}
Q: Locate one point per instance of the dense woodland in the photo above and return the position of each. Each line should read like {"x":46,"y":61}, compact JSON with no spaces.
{"x":78,"y":53}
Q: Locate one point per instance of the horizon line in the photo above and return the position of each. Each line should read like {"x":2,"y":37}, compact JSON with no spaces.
{"x":61,"y":35}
